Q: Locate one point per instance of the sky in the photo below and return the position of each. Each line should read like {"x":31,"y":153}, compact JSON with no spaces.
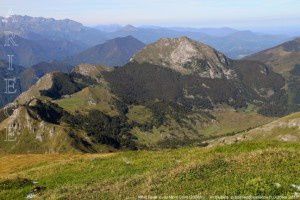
{"x":182,"y":13}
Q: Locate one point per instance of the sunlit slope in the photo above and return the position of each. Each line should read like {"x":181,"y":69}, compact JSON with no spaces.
{"x":285,"y":59}
{"x":249,"y":168}
{"x":286,"y":129}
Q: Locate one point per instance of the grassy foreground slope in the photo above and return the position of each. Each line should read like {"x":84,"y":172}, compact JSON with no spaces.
{"x":247,"y":168}
{"x":286,"y":129}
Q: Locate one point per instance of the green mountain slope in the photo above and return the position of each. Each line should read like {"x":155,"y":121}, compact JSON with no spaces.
{"x":282,"y":58}
{"x":285,"y":59}
{"x":230,"y":166}
{"x":38,"y":127}
{"x":169,"y":103}
{"x":246,"y":169}
{"x":286,"y":129}
{"x":197,"y":76}
{"x":53,"y":86}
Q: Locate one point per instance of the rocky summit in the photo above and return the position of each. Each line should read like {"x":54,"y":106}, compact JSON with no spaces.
{"x":186,"y":56}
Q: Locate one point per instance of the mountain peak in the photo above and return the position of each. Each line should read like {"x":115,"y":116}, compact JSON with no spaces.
{"x":122,"y":39}
{"x":187,"y":57}
{"x":179,"y":41}
{"x":129,"y":28}
{"x":129,"y":37}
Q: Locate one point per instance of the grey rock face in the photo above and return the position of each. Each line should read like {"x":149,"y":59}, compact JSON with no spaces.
{"x":186,"y":56}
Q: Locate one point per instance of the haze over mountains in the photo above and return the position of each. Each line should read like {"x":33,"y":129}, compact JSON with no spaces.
{"x":44,"y":39}
{"x":233,"y":43}
{"x":38,"y":28}
{"x":31,"y":52}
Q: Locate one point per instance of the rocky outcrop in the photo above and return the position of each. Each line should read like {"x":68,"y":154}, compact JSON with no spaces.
{"x":37,"y":127}
{"x":92,"y":71}
{"x":187,"y":57}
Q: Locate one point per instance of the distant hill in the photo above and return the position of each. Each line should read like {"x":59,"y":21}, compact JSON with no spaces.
{"x":242,"y":43}
{"x":282,"y":58}
{"x":115,"y":52}
{"x":32,"y":74}
{"x":285,"y":59}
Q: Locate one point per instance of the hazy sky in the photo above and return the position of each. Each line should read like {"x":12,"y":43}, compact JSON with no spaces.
{"x":196,"y":13}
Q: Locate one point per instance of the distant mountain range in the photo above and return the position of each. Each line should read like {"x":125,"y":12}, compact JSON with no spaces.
{"x":144,"y":32}
{"x":38,"y":28}
{"x":49,"y":39}
{"x":234,"y":43}
{"x":42,"y":39}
